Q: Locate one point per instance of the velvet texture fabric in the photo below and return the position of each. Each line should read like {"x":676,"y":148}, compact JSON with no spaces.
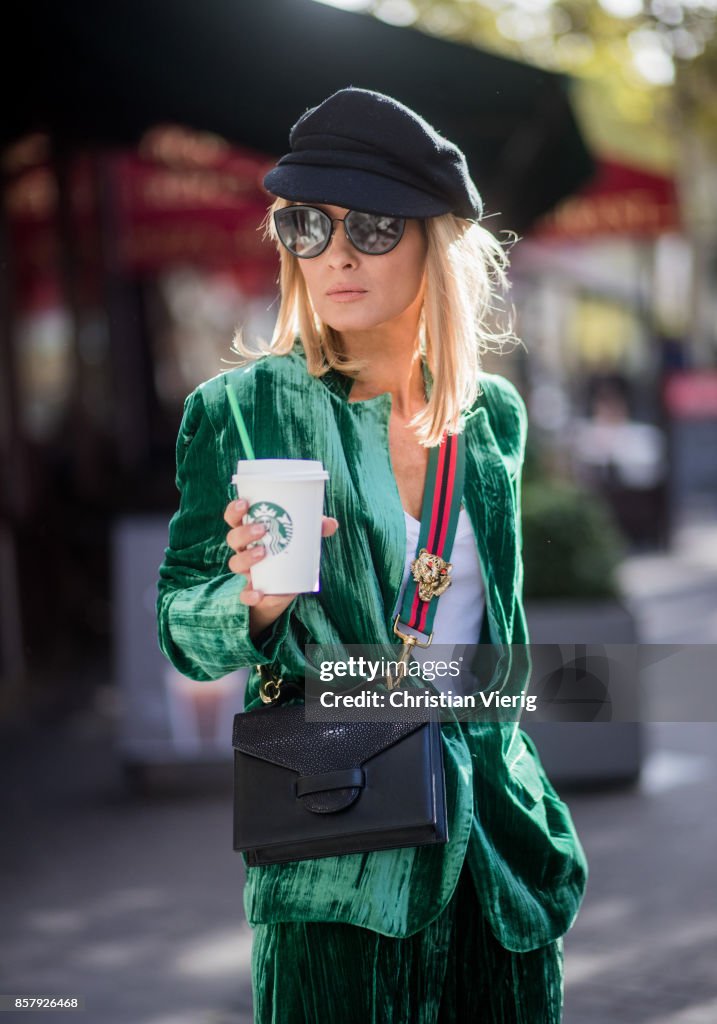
{"x":505,"y":820}
{"x":453,"y":971}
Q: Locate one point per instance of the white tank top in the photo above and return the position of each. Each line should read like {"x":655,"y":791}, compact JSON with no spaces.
{"x":460,"y":609}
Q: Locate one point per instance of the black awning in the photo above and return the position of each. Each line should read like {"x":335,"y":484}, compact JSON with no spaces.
{"x":103,"y":73}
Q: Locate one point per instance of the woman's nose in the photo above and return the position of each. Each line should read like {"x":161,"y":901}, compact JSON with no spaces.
{"x":340,"y":250}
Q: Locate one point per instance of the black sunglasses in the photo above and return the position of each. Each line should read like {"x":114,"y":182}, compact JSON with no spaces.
{"x":306,"y":231}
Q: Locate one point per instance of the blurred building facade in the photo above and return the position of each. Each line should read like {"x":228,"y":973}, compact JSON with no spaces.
{"x":605,"y":285}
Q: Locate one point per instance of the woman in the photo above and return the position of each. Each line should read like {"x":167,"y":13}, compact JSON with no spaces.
{"x":387,"y":283}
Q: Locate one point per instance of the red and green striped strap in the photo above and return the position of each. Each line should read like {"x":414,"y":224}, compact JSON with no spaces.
{"x":439,"y":520}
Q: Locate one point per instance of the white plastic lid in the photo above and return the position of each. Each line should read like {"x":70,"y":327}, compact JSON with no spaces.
{"x":279,"y":467}
{"x":299,"y":478}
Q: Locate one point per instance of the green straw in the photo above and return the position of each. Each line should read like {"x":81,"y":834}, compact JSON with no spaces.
{"x":239,"y":419}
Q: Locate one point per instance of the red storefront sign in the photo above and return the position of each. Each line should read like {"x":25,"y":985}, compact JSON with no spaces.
{"x":181,"y":199}
{"x":618,"y":200}
{"x":191,"y":199}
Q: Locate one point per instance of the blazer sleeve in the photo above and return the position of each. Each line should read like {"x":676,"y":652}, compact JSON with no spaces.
{"x":203,"y":627}
{"x":509,"y":418}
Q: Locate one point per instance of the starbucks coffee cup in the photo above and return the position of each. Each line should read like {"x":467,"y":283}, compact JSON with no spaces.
{"x":287,"y":497}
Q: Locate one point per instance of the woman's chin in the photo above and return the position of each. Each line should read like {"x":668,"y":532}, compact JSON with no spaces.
{"x":351,"y":323}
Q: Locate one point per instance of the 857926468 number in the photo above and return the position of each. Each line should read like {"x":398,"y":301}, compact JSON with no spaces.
{"x":18,"y":1002}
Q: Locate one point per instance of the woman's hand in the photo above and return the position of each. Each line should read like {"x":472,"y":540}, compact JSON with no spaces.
{"x":264,"y":608}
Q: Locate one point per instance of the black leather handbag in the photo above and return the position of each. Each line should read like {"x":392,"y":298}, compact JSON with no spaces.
{"x":316,"y":789}
{"x":306,"y":788}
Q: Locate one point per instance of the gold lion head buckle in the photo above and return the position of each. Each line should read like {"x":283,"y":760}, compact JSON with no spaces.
{"x":431,"y":573}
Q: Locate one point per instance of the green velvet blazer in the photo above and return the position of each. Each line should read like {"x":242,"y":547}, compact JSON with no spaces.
{"x":505,"y":818}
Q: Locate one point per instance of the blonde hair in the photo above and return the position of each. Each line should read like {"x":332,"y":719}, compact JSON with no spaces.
{"x":466,"y":268}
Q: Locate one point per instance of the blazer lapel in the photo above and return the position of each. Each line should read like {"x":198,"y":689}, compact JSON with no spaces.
{"x":488,"y":499}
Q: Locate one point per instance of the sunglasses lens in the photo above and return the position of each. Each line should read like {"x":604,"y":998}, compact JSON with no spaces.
{"x":374,"y":233}
{"x":303,"y":230}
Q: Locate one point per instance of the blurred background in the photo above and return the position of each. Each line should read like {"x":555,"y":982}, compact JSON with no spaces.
{"x":131,"y":158}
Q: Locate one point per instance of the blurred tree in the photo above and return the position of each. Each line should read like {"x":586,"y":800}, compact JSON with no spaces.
{"x":644,"y":83}
{"x":653,"y":60}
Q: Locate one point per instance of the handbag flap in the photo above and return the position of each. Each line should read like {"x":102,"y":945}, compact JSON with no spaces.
{"x":283,"y":736}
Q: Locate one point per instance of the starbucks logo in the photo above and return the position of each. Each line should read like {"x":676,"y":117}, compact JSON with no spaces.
{"x":279,"y":527}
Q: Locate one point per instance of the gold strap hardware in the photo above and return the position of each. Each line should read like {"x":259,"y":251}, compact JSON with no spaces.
{"x":409,"y":642}
{"x":270,"y":686}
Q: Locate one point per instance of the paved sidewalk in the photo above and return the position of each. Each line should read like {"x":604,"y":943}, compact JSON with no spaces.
{"x":136,"y":903}
{"x":644,"y":947}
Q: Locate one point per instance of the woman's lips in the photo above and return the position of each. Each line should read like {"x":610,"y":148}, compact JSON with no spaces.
{"x":347,"y":296}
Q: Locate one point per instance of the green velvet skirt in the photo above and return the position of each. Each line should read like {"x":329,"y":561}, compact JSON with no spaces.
{"x":452,"y":972}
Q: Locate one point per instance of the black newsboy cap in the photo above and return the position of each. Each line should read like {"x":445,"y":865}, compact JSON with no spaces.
{"x":366,"y":151}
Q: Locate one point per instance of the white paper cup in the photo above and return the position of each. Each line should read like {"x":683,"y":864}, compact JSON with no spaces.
{"x":286,"y":496}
